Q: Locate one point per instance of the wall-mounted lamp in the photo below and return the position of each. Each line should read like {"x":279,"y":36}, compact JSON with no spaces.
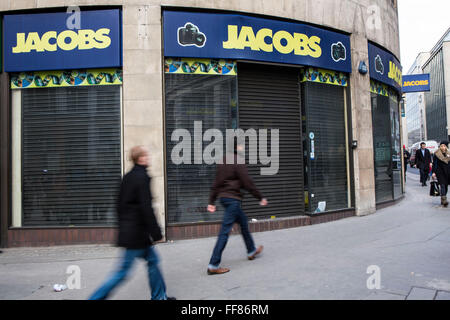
{"x":362,"y":68}
{"x":354,"y":144}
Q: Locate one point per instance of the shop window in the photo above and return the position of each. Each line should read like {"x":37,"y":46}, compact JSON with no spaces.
{"x":198,"y":94}
{"x":66,"y":155}
{"x":396,"y":145}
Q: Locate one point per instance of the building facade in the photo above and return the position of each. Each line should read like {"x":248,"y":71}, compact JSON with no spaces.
{"x":437,"y":100}
{"x":415,"y":106}
{"x":316,"y":83}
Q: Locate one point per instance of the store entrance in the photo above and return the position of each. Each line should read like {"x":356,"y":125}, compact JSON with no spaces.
{"x":326,"y":158}
{"x":269,"y":98}
{"x":387,"y":150}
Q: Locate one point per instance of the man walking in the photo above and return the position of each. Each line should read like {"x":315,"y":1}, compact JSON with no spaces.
{"x":423,"y":160}
{"x":230,"y":178}
{"x":406,"y":156}
{"x":138,"y":229}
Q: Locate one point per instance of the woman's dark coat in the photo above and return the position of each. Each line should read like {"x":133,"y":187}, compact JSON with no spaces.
{"x":137,"y":222}
{"x":441,"y":169}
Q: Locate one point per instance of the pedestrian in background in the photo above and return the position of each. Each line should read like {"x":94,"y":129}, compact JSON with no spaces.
{"x":230,"y":179}
{"x":423,"y":160}
{"x":441,"y":170}
{"x":138,"y":229}
{"x":406,"y":157}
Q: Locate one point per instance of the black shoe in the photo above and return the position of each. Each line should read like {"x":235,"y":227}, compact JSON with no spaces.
{"x":171,"y":298}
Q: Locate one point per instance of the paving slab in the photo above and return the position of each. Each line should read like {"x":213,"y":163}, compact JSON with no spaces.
{"x":421,"y":294}
{"x":443,"y":295}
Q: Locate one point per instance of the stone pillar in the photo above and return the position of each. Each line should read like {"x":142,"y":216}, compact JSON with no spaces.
{"x":5,"y":163}
{"x":362,"y":129}
{"x":142,"y":93}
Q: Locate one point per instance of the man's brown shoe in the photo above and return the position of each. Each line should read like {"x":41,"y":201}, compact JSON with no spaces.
{"x":218,"y":271}
{"x":258,"y":251}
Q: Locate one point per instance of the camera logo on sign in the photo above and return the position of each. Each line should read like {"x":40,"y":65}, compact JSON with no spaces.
{"x":190,"y":35}
{"x":338,"y":52}
{"x":379,"y":67}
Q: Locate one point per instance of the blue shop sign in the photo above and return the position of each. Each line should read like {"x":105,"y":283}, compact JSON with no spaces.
{"x":416,"y":83}
{"x":45,"y":41}
{"x":385,"y":67}
{"x":233,"y":36}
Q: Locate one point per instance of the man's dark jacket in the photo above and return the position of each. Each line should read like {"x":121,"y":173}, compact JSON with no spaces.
{"x":230,"y":179}
{"x":421,"y":161}
{"x":137,"y":222}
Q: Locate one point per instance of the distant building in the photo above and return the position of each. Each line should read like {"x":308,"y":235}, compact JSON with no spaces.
{"x":437,"y":101}
{"x":415,"y":106}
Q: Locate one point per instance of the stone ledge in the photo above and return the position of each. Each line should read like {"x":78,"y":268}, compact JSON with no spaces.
{"x":193,"y":231}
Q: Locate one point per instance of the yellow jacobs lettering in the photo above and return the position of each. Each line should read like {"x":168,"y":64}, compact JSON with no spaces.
{"x":261,"y":40}
{"x":67,"y":40}
{"x":283,"y":41}
{"x":395,"y":73}
{"x":415,"y":83}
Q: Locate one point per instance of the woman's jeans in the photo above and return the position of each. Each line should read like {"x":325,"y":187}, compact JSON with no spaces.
{"x":233,"y":213}
{"x":156,"y":281}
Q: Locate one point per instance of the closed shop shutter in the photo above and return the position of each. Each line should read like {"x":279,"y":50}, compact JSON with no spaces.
{"x":325,"y":118}
{"x":382,"y":145}
{"x":396,"y":147}
{"x":211,"y":101}
{"x":71,"y":155}
{"x":269,"y":98}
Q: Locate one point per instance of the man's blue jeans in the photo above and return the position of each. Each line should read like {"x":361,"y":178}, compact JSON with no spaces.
{"x":156,"y":281}
{"x":233,"y":213}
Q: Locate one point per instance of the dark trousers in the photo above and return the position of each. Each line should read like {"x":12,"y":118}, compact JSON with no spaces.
{"x":424,"y":173}
{"x":233,"y":213}
{"x":443,"y":189}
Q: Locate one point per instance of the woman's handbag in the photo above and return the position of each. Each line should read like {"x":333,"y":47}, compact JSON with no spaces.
{"x":434,"y":189}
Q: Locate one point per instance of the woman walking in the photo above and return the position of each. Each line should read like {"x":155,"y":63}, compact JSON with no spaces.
{"x":441,"y":170}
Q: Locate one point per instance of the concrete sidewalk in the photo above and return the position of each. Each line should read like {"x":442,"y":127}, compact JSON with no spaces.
{"x":409,"y":242}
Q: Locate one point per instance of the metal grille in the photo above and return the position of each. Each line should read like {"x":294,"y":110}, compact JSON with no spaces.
{"x":269,"y":97}
{"x":382,"y":145}
{"x":190,"y":98}
{"x":325,"y":117}
{"x":71,"y":155}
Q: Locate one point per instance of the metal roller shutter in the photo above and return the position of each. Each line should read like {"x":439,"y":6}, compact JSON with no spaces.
{"x":269,"y":97}
{"x":190,"y":98}
{"x":327,"y":179}
{"x":71,"y":155}
{"x":382,"y":143}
